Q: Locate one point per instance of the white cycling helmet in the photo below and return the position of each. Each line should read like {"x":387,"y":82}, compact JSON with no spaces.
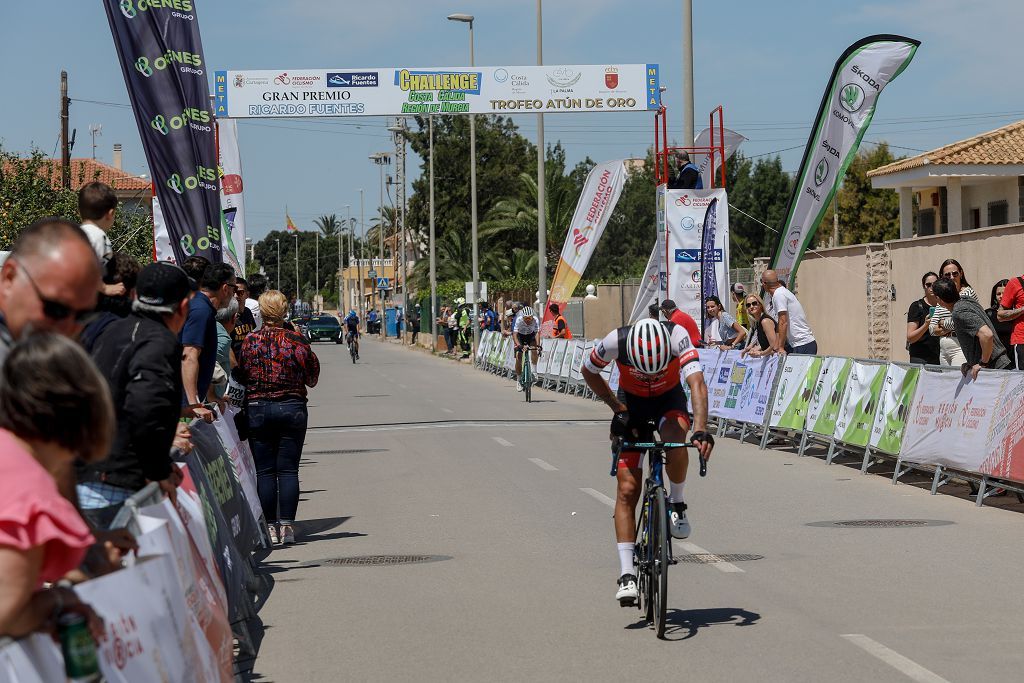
{"x":648,"y":346}
{"x":527,"y":312}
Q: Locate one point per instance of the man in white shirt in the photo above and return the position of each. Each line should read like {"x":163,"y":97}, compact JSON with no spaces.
{"x":257,"y":285}
{"x":794,"y":333}
{"x":97,"y":204}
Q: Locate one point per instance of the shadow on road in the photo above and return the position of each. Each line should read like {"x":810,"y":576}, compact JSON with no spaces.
{"x":683,"y":624}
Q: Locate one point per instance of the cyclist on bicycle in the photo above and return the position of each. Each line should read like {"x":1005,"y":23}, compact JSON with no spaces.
{"x":351,"y":323}
{"x":524,"y":333}
{"x":652,"y":356}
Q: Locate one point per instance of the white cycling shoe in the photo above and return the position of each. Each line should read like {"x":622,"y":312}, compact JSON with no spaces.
{"x":677,"y":519}
{"x":627,"y":592}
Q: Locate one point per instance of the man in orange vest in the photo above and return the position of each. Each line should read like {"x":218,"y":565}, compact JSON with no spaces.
{"x":561,"y":329}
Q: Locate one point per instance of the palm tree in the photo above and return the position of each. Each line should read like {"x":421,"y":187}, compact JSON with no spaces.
{"x":454,"y":261}
{"x":499,"y":265}
{"x":330,"y":225}
{"x":373,"y":233}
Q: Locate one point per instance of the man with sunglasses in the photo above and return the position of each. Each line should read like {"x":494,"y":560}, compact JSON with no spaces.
{"x":199,"y":335}
{"x":49,"y":282}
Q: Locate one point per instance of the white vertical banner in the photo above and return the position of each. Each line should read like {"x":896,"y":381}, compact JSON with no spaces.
{"x":729,"y":139}
{"x":232,"y":205}
{"x":650,"y":284}
{"x":684,"y":225}
{"x":161,"y":238}
{"x":845,"y":113}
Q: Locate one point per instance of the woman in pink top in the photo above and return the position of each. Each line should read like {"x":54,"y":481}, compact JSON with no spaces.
{"x":54,"y":407}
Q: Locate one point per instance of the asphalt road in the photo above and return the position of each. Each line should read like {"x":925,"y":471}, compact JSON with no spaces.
{"x":520,"y":507}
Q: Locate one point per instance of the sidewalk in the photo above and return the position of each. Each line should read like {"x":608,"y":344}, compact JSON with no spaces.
{"x":420,"y":347}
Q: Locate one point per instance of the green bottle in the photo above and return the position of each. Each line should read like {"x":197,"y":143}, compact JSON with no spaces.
{"x":80,"y":661}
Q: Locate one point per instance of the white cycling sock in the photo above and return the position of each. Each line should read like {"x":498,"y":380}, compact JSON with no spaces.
{"x":626,"y":565}
{"x":675,"y":491}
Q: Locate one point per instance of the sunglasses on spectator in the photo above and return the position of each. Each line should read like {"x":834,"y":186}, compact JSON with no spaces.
{"x":752,"y":304}
{"x":55,"y":310}
{"x":951,"y":274}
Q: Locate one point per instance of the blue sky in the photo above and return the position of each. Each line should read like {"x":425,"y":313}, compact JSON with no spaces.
{"x":766,"y":62}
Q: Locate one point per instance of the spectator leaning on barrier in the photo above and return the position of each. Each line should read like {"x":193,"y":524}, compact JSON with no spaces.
{"x":974,"y":331}
{"x":795,"y":334}
{"x":276,"y":366}
{"x":1004,"y":328}
{"x":226,"y":318}
{"x":199,"y":336}
{"x":765,"y":337}
{"x":140,"y":357}
{"x":921,"y":345}
{"x":49,"y":282}
{"x":1011,"y":309}
{"x":54,"y":408}
{"x":941,"y":326}
{"x":722,"y":330}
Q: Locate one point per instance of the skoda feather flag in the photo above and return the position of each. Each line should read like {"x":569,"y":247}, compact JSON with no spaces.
{"x":848,"y":105}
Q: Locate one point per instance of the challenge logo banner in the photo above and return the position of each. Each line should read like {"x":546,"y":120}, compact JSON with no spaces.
{"x":161,"y":57}
{"x":848,"y":105}
{"x":396,"y":91}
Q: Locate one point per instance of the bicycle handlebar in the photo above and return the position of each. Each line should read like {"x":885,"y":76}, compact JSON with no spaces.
{"x":622,"y":444}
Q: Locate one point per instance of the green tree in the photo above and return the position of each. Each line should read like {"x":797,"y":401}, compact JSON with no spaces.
{"x":866,"y":214}
{"x":631,"y":232}
{"x":761,"y":189}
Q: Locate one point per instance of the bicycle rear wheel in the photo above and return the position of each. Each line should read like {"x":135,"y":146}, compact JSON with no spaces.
{"x":642,"y":560}
{"x":660,"y":554}
{"x":527,"y":379}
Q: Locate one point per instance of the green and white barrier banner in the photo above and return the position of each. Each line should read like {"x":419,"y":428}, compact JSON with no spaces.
{"x":891,"y":418}
{"x":860,"y":401}
{"x":828,"y":395}
{"x":793,"y":397}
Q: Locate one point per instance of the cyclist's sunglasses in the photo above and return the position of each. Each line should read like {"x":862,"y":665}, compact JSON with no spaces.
{"x":55,"y":310}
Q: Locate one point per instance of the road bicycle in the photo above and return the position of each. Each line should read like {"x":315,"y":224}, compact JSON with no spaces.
{"x":652,"y":551}
{"x":526,"y":376}
{"x":352,"y":346}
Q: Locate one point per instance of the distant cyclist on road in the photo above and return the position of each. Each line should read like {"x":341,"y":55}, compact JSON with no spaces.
{"x":351,"y":323}
{"x":524,"y":333}
{"x":651,"y":356}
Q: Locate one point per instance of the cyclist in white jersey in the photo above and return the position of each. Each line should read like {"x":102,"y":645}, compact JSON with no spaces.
{"x":524,"y":333}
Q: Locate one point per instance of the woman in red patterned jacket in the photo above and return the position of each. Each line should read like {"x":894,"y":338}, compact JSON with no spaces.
{"x":276,"y":366}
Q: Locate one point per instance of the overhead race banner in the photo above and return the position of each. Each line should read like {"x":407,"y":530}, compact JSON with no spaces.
{"x":793,"y":397}
{"x":891,"y":419}
{"x":860,"y":400}
{"x":232,"y":205}
{"x":828,"y":395}
{"x":847,"y":106}
{"x":597,"y":201}
{"x":685,"y":211}
{"x":162,"y":60}
{"x":397,"y":91}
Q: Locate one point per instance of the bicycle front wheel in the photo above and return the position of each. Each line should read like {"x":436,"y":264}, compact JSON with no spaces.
{"x":527,"y":380}
{"x":660,"y":554}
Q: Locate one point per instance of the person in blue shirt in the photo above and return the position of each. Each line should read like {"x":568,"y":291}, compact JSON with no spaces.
{"x":371,"y":321}
{"x":490,"y":318}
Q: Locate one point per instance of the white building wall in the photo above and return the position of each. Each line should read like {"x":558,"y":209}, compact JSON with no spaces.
{"x":979,"y":197}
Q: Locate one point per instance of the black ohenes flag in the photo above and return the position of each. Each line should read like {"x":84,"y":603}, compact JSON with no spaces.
{"x":162,"y":60}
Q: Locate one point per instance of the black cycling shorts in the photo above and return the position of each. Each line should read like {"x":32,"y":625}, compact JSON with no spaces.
{"x":655,"y":408}
{"x":526,"y":340}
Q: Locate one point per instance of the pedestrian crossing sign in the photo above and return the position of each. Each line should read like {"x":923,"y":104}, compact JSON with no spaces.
{"x":382,"y":283}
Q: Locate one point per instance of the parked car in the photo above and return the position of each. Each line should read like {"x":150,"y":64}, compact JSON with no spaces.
{"x":324,"y":327}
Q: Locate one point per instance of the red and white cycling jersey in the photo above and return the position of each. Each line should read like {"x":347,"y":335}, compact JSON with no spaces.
{"x":631,"y":380}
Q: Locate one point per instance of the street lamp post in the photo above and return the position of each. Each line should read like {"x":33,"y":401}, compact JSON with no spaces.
{"x":381,"y":159}
{"x":297,"y":290}
{"x":433,"y":256}
{"x":542,"y":240}
{"x":469,"y":19}
{"x":362,"y":249}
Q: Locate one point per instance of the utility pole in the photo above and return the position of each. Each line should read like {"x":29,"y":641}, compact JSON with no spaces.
{"x":316,"y":292}
{"x":278,"y":264}
{"x":297,"y":289}
{"x":687,"y":73}
{"x":359,"y":259}
{"x":65,"y":147}
{"x":433,"y":255}
{"x":542,"y":240}
{"x":348,"y":222}
{"x":398,"y":130}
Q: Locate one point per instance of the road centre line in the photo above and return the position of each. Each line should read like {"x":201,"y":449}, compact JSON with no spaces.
{"x":502,"y":442}
{"x":718,"y":564}
{"x":599,"y":496}
{"x":906,"y":666}
{"x":543,"y":465}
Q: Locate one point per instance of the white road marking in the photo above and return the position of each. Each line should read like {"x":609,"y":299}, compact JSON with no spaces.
{"x":501,"y":441}
{"x":695,"y":549}
{"x":599,"y":496}
{"x":908,"y":667}
{"x":544,"y":466}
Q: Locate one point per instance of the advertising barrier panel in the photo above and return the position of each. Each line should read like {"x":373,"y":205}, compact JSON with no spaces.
{"x":860,"y":401}
{"x":739,"y":388}
{"x":404,"y":91}
{"x":827,"y":397}
{"x":896,"y":401}
{"x":793,"y":397}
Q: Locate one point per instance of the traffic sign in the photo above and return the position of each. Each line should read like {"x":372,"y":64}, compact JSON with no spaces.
{"x":382,"y":283}
{"x":372,"y":274}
